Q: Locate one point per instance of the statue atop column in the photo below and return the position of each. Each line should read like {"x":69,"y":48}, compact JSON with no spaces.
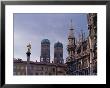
{"x":29,"y":47}
{"x":28,"y":50}
{"x":28,"y":53}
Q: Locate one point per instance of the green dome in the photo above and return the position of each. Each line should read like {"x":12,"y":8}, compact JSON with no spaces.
{"x":45,"y":41}
{"x":58,"y":44}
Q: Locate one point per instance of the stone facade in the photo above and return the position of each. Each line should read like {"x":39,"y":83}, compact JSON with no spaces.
{"x":44,"y":67}
{"x":82,"y":59}
{"x":92,"y":27}
{"x":38,"y":68}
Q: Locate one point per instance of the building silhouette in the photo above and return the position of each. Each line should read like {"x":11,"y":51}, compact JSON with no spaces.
{"x":45,"y":51}
{"x":38,"y":68}
{"x":44,"y":67}
{"x":92,"y":27}
{"x":71,"y":44}
{"x":82,"y":55}
{"x":58,"y":53}
{"x":81,"y":60}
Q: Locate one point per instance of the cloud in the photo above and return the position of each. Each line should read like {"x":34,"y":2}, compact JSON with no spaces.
{"x":35,"y":27}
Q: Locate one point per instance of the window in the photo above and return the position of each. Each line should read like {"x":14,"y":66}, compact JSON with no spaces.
{"x":86,"y":72}
{"x":50,"y":74}
{"x":53,"y":69}
{"x":19,"y":67}
{"x":45,"y":73}
{"x":22,"y":67}
{"x":31,"y":73}
{"x":41,"y":73}
{"x":22,"y":73}
{"x":60,"y":55}
{"x":79,"y":50}
{"x":46,"y":68}
{"x":36,"y":73}
{"x":41,"y":68}
{"x":18,"y":73}
{"x":14,"y":67}
{"x":32,"y":67}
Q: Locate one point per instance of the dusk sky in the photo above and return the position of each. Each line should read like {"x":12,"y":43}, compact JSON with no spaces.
{"x":35,"y":27}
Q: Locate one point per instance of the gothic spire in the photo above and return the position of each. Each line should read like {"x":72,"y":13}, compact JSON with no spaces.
{"x":82,"y":36}
{"x":71,"y":36}
{"x":71,"y":33}
{"x":71,"y":26}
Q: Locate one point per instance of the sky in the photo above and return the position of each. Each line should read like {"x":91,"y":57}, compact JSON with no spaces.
{"x":35,"y":27}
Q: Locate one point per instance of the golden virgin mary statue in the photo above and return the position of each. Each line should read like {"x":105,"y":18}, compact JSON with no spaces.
{"x":29,"y":47}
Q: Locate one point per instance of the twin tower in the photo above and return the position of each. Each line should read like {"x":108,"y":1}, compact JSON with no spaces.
{"x":45,"y":52}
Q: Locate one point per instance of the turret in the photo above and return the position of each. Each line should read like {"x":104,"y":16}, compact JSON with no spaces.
{"x":71,"y":44}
